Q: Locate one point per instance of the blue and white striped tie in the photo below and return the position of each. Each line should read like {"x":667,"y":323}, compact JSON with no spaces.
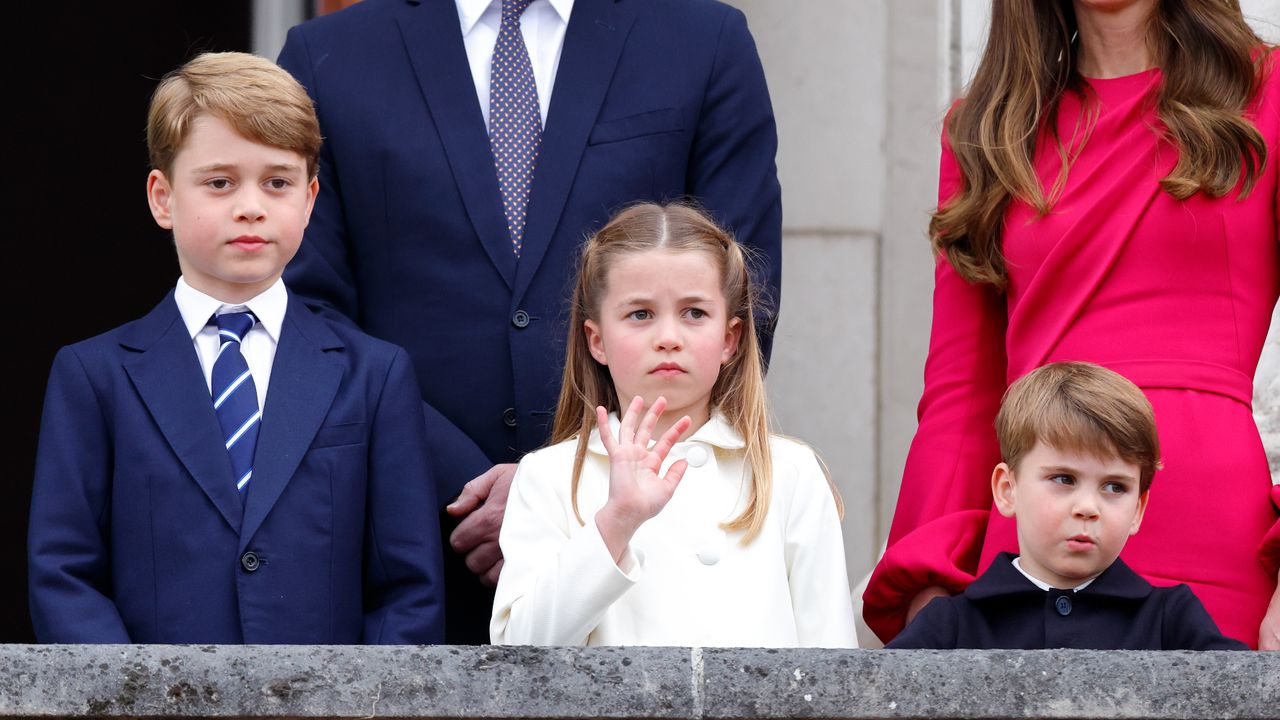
{"x":235,"y":397}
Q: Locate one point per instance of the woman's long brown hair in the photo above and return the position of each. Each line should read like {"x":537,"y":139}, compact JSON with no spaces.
{"x":1211,"y":64}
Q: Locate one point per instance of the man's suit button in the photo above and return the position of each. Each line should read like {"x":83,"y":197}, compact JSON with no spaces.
{"x":520,"y":319}
{"x":509,"y":417}
{"x":249,"y":561}
{"x":1063,"y":605}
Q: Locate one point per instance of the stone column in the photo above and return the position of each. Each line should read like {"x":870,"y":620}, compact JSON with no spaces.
{"x":921,"y":71}
{"x":825,"y":61}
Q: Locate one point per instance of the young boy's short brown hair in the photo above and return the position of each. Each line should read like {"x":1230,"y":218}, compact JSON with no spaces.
{"x":1080,"y":407}
{"x":256,"y":97}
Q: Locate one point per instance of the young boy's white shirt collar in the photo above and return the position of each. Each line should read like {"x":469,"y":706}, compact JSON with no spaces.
{"x":259,"y":345}
{"x":1046,"y":586}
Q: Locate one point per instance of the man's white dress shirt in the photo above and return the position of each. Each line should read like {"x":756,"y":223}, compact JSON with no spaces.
{"x":543,"y":25}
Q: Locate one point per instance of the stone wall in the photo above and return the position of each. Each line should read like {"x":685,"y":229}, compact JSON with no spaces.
{"x":678,"y":683}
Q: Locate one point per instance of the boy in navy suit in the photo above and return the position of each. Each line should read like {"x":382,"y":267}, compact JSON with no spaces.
{"x":1080,"y":451}
{"x":231,"y":468}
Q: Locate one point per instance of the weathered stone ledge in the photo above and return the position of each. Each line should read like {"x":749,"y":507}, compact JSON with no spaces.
{"x":562,"y":683}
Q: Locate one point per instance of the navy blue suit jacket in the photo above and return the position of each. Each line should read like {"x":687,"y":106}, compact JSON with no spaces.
{"x":654,"y":99}
{"x":1119,"y":610}
{"x":137,"y":532}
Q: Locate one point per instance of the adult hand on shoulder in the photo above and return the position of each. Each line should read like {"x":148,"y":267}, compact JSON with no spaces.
{"x":923,"y":598}
{"x":636,"y":491}
{"x":482,"y":503}
{"x":1269,"y":631}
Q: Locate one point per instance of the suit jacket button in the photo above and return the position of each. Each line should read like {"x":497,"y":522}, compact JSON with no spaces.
{"x":249,"y":561}
{"x":509,"y":417}
{"x":1063,"y":605}
{"x":520,"y":319}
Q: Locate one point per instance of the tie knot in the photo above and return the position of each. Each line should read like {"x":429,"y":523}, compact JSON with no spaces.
{"x":233,"y":326}
{"x":512,"y":9}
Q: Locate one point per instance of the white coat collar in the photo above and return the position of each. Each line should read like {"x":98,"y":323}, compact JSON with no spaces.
{"x":716,"y":432}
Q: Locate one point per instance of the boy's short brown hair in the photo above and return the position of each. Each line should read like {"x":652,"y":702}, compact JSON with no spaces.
{"x":258,"y":98}
{"x":1079,"y":407}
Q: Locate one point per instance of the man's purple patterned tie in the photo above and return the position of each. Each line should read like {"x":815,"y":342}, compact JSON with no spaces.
{"x":515,"y":119}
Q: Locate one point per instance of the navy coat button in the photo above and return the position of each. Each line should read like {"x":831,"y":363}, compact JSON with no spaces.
{"x":1063,"y":605}
{"x":509,"y":417}
{"x":249,"y":561}
{"x":520,"y":319}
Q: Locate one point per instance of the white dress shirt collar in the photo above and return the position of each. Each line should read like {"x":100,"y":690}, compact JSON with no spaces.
{"x":543,"y":26}
{"x":470,"y":11}
{"x":1046,"y":586}
{"x":716,"y":432}
{"x":197,"y":308}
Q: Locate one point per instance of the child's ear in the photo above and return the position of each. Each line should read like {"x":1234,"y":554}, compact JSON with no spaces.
{"x":732,"y":334}
{"x":1003,"y":490}
{"x":313,"y":189}
{"x":159,"y":195}
{"x":595,"y":341}
{"x":1142,"y":509}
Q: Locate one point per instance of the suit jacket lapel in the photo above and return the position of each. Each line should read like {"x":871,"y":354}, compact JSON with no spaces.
{"x":433,"y":39}
{"x":592,"y":44}
{"x":168,"y":378}
{"x":304,"y":381}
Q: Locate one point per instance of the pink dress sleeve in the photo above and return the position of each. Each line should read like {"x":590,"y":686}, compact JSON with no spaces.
{"x":945,"y":498}
{"x":1269,"y":549}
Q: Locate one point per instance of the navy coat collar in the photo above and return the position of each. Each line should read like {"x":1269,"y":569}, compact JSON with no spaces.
{"x":1003,"y":579}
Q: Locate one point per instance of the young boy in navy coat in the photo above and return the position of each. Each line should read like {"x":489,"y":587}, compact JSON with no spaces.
{"x":1080,"y":450}
{"x":231,"y":468}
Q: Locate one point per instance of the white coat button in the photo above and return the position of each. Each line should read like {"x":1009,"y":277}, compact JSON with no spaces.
{"x":697,"y":456}
{"x":712,"y":547}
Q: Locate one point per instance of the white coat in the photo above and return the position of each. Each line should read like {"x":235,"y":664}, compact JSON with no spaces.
{"x":682,"y":580}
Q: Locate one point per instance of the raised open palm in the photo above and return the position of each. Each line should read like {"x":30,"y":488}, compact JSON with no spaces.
{"x":636,"y":491}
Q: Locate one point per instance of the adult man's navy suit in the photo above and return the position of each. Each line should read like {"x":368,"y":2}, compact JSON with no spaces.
{"x":139,"y":535}
{"x":653,"y":100}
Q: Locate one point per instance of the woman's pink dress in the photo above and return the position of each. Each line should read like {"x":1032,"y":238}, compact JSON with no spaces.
{"x":1175,"y":295}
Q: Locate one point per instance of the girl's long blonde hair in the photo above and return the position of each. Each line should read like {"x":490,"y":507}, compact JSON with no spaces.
{"x":739,"y":389}
{"x":1211,"y":62}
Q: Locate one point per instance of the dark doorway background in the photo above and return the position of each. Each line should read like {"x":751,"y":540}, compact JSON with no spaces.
{"x":84,"y":254}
